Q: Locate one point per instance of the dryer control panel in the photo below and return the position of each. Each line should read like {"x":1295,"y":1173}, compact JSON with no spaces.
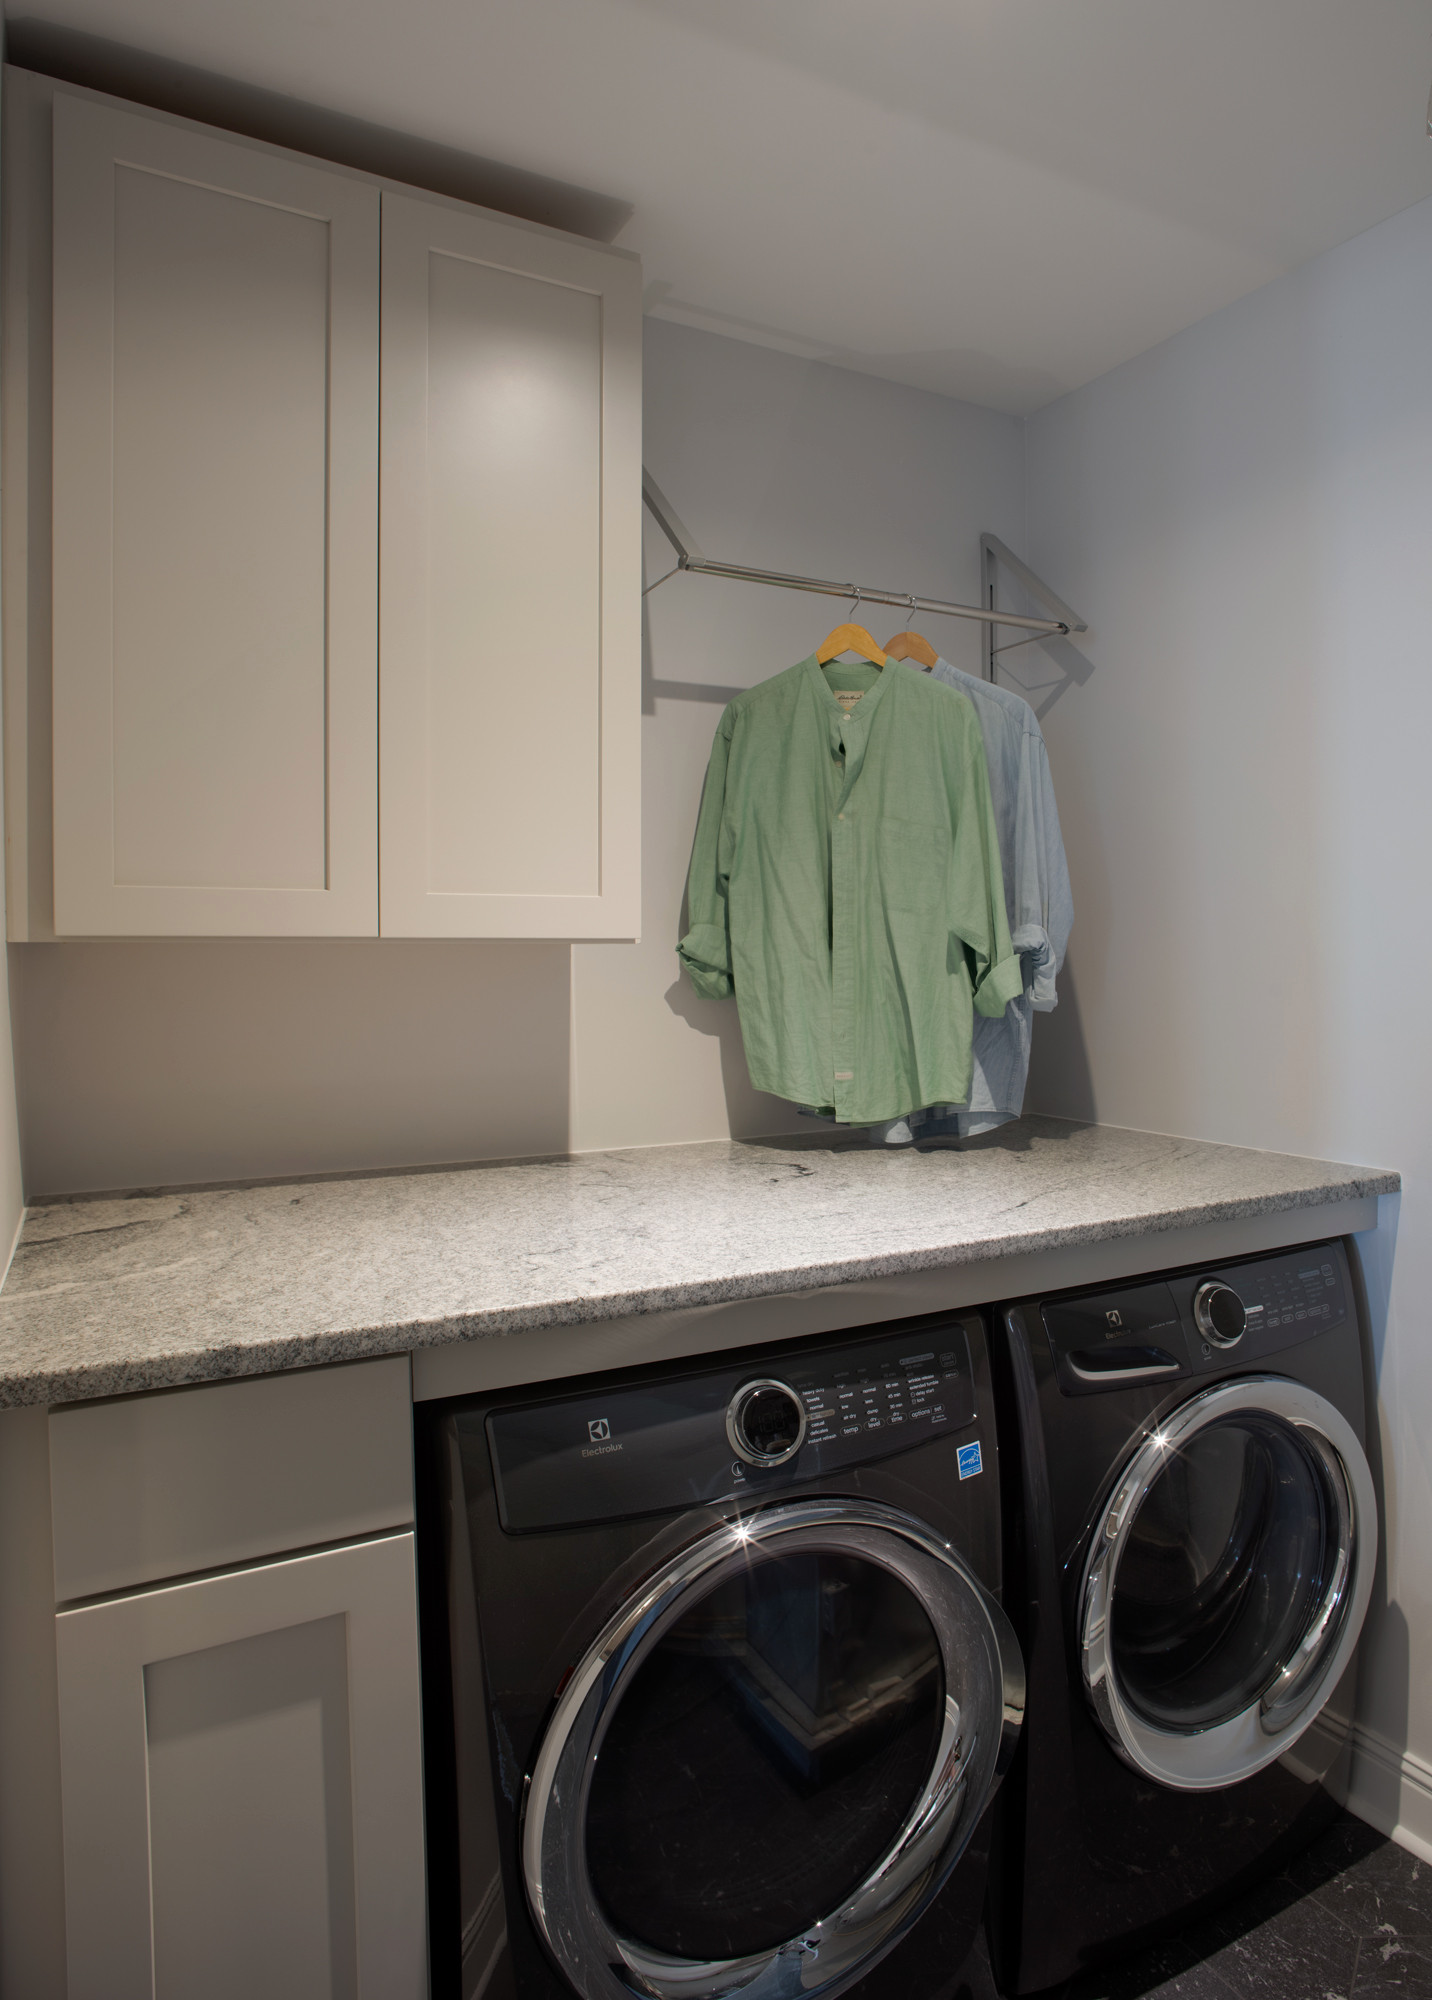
{"x":656,"y":1446}
{"x":1198,"y":1321}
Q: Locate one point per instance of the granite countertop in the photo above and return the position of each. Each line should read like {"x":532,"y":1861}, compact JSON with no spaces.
{"x":139,"y":1292}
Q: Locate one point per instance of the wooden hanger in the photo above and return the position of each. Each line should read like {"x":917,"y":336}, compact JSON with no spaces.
{"x":912,"y":646}
{"x":848,"y":639}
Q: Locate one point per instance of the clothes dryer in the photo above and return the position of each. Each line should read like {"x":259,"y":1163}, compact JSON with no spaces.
{"x":719,"y":1681}
{"x":1198,"y":1531}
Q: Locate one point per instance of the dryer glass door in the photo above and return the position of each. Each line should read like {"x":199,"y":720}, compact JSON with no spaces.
{"x":766,"y":1767}
{"x":1227,"y":1581}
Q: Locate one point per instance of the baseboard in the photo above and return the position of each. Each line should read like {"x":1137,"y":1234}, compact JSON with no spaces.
{"x":1392,"y":1790}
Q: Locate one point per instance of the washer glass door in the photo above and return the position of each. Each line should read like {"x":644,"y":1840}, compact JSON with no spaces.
{"x":1227,"y":1581}
{"x":766,"y":1767}
{"x":765,"y":1754}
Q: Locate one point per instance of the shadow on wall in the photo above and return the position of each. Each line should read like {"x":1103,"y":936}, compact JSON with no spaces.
{"x":1064,"y":667}
{"x":752,"y":1113}
{"x":1376,"y":1792}
{"x":654,"y":690}
{"x":95,"y":63}
{"x":1061,"y":1083}
{"x":1042,"y":670}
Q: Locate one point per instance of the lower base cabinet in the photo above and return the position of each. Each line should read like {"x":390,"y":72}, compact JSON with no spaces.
{"x":241,"y":1760}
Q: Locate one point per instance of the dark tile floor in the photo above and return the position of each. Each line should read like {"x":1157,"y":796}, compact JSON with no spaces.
{"x":1350,"y":1920}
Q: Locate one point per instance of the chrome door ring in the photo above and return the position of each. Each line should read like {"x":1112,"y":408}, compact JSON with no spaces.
{"x":971,"y":1757}
{"x":1200,"y":1760}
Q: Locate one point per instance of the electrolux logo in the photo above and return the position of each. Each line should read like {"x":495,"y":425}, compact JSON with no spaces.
{"x":599,"y":1430}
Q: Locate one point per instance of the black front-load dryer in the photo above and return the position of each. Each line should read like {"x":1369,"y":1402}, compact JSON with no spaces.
{"x":727,"y":1638}
{"x":1198,"y":1530}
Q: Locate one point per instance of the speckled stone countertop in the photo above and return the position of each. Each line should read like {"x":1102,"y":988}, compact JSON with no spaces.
{"x":111,"y":1295}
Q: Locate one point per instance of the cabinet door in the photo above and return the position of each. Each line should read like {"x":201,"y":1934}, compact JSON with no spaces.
{"x":241,"y":1781}
{"x":510,"y":625}
{"x":215,"y":535}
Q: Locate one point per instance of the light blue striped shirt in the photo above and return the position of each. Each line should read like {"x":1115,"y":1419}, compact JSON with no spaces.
{"x":1038,"y":904}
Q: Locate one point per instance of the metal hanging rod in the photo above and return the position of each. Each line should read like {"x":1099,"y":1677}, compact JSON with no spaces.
{"x":689,"y":557}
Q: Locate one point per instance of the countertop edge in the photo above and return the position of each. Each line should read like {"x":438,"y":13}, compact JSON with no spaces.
{"x":232,"y":1360}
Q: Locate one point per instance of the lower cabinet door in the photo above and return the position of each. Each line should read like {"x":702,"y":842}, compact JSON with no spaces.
{"x":241,"y":1770}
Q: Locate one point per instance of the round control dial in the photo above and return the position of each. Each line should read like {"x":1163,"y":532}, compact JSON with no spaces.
{"x":766,"y":1422}
{"x":1220,"y":1314}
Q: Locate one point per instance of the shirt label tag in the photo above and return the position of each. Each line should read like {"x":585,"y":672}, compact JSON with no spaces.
{"x":847,"y":697}
{"x":845,"y":1076}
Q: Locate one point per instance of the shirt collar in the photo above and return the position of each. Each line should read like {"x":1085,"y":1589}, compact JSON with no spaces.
{"x":867,"y":703}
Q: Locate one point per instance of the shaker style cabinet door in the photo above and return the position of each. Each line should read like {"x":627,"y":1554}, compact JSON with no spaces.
{"x":510,"y":602}
{"x":215,"y":535}
{"x":241,"y":1781}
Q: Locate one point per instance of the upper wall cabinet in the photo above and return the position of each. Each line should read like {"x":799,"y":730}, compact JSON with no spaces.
{"x":510,"y":581}
{"x":204,"y":703}
{"x":215,"y":535}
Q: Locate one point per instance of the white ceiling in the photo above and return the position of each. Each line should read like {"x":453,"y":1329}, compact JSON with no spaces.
{"x":996,"y":199}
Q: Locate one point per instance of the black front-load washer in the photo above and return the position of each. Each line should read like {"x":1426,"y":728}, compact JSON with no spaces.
{"x":727,"y":1637}
{"x":1197,"y":1533}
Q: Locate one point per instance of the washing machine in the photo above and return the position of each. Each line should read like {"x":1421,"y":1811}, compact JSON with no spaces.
{"x":1197,"y":1531}
{"x":719,"y":1688}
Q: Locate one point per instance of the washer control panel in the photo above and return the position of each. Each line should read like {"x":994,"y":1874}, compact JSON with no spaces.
{"x":1196,"y":1321}
{"x":1305,"y":1292}
{"x":652,"y":1447}
{"x":880,"y":1399}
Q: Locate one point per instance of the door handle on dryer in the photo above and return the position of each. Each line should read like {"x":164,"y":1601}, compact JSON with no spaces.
{"x":1157,"y":1364}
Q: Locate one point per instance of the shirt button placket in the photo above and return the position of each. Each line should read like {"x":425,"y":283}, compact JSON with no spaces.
{"x":841,"y":996}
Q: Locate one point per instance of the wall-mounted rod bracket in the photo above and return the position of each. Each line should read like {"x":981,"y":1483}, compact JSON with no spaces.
{"x":993,"y":552}
{"x":689,"y":557}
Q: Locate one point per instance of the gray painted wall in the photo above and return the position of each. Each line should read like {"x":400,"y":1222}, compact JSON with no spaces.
{"x":1244,"y":515}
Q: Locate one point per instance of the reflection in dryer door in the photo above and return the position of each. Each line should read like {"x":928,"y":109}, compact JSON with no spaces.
{"x":1227,"y":1581}
{"x":1228,"y":1557}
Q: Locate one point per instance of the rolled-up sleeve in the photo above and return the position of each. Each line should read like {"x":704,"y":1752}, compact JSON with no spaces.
{"x":1000,"y":981}
{"x":705,"y":950}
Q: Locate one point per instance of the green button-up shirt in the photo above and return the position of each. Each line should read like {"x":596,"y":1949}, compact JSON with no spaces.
{"x":845,"y":884}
